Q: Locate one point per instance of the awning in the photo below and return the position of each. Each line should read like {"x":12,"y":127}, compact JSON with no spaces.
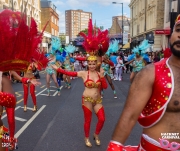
{"x":126,"y":46}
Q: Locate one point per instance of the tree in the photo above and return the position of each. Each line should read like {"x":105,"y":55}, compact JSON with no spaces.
{"x":84,"y":31}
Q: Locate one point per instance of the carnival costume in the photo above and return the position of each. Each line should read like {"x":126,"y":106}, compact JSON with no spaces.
{"x":68,"y":61}
{"x":113,"y":48}
{"x":163,"y":89}
{"x":19,"y":44}
{"x":55,"y":45}
{"x":92,"y":44}
{"x":141,"y":50}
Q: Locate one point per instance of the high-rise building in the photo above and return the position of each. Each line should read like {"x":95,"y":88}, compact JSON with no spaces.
{"x":33,"y":8}
{"x":76,"y":21}
{"x":116,"y":28}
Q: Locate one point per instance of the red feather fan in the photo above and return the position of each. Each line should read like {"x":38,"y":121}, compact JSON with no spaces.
{"x":92,"y":42}
{"x":18,"y":42}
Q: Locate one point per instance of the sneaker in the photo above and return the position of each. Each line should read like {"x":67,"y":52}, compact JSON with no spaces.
{"x":115,"y":96}
{"x":120,"y":79}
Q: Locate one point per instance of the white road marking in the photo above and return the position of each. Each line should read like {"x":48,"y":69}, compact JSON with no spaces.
{"x":41,"y":92}
{"x":29,"y":122}
{"x":20,"y":119}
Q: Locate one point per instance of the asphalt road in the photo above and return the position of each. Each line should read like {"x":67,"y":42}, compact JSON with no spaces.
{"x":58,"y":124}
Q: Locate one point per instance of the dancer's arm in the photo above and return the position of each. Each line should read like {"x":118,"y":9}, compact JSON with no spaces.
{"x":25,"y":80}
{"x":69,"y":73}
{"x":81,"y":58}
{"x":107,"y":61}
{"x":103,"y":80}
{"x":139,"y":94}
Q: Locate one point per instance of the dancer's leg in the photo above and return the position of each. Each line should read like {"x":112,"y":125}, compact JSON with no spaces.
{"x":48,"y":76}
{"x":56,"y":83}
{"x":25,"y":87}
{"x":87,"y":109}
{"x":32,"y":91}
{"x":111,"y":84}
{"x":99,"y":110}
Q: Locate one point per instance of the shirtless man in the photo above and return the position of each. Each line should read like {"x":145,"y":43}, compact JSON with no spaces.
{"x":154,"y":95}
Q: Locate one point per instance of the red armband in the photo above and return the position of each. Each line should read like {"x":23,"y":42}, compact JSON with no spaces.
{"x":111,"y":63}
{"x":115,"y":147}
{"x":7,"y":100}
{"x":25,"y":80}
{"x":104,"y":83}
{"x":81,"y":58}
{"x":68,"y":73}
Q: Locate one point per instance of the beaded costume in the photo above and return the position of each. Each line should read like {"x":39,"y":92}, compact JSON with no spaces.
{"x":19,"y":45}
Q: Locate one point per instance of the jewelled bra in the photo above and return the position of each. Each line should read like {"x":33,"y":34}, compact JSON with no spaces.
{"x":89,"y":83}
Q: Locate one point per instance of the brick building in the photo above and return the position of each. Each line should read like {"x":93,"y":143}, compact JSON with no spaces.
{"x":49,"y":13}
{"x":33,"y":8}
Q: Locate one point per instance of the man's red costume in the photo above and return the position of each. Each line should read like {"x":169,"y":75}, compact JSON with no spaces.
{"x":155,"y":108}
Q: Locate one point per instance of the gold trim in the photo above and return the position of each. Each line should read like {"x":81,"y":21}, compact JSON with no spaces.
{"x":92,"y":58}
{"x":15,"y":61}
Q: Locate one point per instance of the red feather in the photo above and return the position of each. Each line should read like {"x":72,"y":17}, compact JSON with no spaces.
{"x":19,"y":42}
{"x":92,"y":42}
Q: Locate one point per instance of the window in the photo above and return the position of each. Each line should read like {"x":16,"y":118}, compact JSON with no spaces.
{"x":52,"y":18}
{"x":52,"y":31}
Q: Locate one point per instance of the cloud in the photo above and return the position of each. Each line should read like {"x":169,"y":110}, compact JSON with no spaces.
{"x":58,"y":3}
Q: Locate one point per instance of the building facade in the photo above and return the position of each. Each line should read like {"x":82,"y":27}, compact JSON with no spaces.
{"x":147,"y":17}
{"x":49,"y":13}
{"x":171,"y":6}
{"x":33,"y":8}
{"x":116,"y":28}
{"x":76,"y":21}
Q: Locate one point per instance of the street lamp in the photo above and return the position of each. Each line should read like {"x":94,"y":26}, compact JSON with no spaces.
{"x":122,"y":20}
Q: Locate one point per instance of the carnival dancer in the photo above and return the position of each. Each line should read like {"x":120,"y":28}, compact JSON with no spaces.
{"x":102,"y":49}
{"x":139,"y":58}
{"x":52,"y":60}
{"x":119,"y":68}
{"x":29,"y":74}
{"x":68,"y":64}
{"x":113,"y":48}
{"x":154,"y":101}
{"x":15,"y":37}
{"x":93,"y":82}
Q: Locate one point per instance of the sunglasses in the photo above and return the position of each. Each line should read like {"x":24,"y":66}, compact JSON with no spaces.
{"x":166,"y":144}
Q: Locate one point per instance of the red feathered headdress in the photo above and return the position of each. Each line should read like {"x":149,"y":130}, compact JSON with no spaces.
{"x":177,"y":21}
{"x":93,"y":42}
{"x":18,"y":41}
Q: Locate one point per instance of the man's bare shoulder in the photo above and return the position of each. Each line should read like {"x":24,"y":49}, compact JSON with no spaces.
{"x":146,"y":75}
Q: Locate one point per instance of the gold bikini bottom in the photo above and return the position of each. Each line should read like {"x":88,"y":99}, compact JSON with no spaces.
{"x":90,"y":99}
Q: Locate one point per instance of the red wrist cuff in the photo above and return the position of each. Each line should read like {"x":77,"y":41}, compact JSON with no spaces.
{"x":115,"y":147}
{"x":25,"y":80}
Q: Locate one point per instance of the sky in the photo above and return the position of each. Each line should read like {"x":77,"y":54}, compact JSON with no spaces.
{"x":102,"y":10}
